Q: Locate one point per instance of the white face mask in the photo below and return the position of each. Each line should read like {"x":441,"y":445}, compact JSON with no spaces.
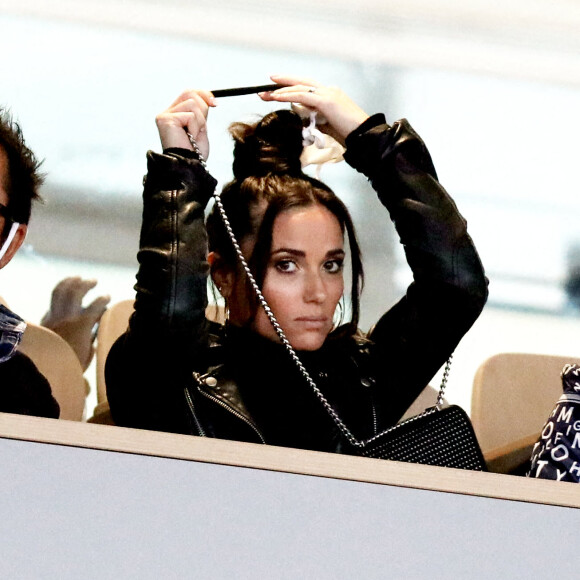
{"x":8,"y":241}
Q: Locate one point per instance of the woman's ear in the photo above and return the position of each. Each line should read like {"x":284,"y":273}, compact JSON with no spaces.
{"x":15,"y":244}
{"x":221,"y":274}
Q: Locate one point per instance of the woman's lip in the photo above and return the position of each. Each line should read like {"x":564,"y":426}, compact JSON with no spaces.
{"x":315,"y":323}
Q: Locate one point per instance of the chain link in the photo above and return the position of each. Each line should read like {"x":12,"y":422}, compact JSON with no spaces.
{"x":444,"y":379}
{"x":196,"y":148}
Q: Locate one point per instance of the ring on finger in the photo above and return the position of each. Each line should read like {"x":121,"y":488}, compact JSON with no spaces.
{"x":312,"y":90}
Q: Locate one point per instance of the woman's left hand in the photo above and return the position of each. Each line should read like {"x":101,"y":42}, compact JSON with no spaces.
{"x":340,"y":111}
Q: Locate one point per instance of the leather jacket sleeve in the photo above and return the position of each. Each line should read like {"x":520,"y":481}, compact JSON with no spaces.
{"x":172,"y":279}
{"x":449,"y":289}
{"x":148,"y":366}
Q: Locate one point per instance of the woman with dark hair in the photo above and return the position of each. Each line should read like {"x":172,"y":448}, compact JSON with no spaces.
{"x":173,"y":370}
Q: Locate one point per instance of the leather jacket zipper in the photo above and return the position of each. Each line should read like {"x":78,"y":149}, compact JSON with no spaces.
{"x":189,"y":400}
{"x":233,"y":412}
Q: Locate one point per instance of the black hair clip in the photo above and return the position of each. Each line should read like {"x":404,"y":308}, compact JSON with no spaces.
{"x":245,"y":90}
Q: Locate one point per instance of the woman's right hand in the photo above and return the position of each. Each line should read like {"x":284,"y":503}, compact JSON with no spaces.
{"x":187,"y":114}
{"x":342,"y":114}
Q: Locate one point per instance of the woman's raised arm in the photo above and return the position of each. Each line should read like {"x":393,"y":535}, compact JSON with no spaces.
{"x":168,"y":328}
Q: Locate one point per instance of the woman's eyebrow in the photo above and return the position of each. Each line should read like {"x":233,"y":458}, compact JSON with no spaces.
{"x":291,"y":251}
{"x":337,"y":252}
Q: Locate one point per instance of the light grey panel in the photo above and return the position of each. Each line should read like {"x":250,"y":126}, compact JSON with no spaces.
{"x":79,"y":513}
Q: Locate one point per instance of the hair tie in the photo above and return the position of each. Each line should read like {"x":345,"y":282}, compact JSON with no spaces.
{"x":319,"y":148}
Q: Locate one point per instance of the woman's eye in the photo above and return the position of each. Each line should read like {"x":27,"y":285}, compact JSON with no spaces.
{"x":333,"y":266}
{"x":286,"y":266}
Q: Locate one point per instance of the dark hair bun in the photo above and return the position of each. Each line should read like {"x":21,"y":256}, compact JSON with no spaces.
{"x":271,"y":146}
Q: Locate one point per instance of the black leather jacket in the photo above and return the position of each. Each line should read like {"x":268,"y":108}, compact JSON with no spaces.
{"x":175,"y":371}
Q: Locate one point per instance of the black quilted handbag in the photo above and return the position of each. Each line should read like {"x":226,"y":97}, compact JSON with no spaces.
{"x":440,"y":436}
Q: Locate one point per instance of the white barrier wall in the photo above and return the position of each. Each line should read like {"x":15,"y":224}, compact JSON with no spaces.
{"x":91,"y":501}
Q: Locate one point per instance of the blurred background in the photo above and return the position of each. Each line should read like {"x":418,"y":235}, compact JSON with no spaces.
{"x":494,"y":89}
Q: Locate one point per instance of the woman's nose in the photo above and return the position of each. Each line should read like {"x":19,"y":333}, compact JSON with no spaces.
{"x":315,"y":289}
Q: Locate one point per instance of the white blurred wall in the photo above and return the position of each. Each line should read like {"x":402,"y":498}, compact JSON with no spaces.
{"x":494,"y":91}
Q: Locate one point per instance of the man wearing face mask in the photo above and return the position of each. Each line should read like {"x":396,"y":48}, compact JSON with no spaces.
{"x":23,"y":389}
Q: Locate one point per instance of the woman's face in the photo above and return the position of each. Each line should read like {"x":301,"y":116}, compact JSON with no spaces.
{"x":304,"y":276}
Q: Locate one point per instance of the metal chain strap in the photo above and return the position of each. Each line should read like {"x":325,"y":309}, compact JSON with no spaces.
{"x":329,"y":409}
{"x":196,"y":149}
{"x":444,"y":380}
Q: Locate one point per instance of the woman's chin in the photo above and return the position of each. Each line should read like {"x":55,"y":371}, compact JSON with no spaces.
{"x":307,"y":341}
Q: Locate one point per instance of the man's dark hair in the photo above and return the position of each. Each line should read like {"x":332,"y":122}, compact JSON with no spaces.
{"x":24,"y":178}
